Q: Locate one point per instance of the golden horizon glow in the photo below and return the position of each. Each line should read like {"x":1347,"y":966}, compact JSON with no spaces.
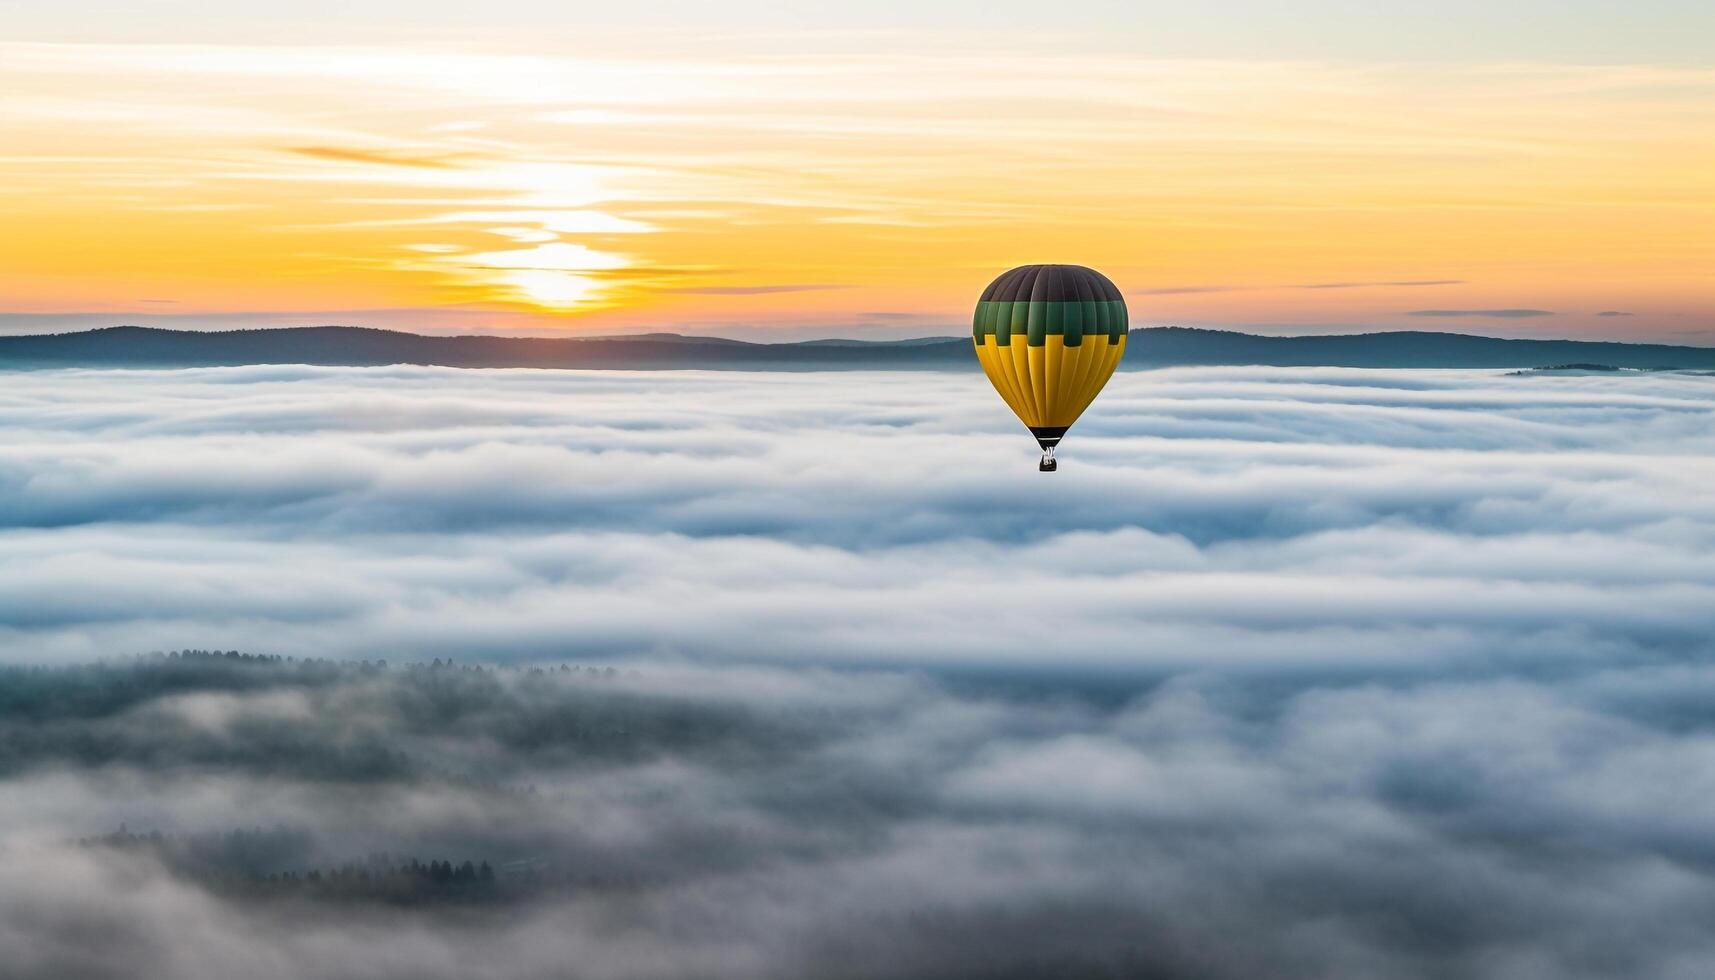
{"x":846,"y":188}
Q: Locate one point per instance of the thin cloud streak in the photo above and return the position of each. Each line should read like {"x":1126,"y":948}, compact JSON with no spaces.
{"x":1366,"y":285}
{"x":387,"y":158}
{"x":1186,"y":290}
{"x":754,"y":290}
{"x":1505,"y":314}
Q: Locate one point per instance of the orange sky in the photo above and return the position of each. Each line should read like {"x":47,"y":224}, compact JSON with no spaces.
{"x":864,"y":185}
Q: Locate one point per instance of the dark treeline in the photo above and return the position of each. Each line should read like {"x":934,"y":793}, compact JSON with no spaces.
{"x":99,"y":688}
{"x":270,"y":864}
{"x":362,"y":721}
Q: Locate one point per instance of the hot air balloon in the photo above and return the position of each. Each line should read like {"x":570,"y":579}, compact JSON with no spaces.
{"x":1049,"y":337}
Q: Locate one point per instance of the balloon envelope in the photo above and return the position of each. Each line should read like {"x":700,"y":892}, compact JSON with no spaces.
{"x":1049,"y":337}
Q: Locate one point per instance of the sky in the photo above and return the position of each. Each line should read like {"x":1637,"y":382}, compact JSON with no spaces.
{"x":798,"y":170}
{"x":1297,"y":672}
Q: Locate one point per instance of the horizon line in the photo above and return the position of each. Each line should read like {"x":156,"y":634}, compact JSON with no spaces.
{"x":948,"y":338}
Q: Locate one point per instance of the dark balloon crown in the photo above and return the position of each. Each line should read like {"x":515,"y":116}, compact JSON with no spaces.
{"x":1051,"y":284}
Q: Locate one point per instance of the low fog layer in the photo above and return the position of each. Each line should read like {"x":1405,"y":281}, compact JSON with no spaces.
{"x":1285,"y":673}
{"x":1226,"y":518}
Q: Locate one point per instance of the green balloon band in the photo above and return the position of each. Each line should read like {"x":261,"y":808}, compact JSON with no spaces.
{"x":1042,"y":301}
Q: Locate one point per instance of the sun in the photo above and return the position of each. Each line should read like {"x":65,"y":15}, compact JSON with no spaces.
{"x":552,"y":289}
{"x":553,"y":275}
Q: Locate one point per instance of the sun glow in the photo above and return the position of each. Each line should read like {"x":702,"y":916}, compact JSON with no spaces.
{"x":552,"y":290}
{"x":552,"y":275}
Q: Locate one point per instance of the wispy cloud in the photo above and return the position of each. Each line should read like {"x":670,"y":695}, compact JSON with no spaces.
{"x":1177,"y":290}
{"x":754,"y":290}
{"x":1183,"y":290}
{"x":389,"y":158}
{"x":1367,"y":285}
{"x":1500,"y":313}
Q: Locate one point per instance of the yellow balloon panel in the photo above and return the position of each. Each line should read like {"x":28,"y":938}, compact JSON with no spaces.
{"x":1049,"y":386}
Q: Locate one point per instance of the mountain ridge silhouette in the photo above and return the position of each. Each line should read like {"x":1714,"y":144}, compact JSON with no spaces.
{"x":345,"y":346}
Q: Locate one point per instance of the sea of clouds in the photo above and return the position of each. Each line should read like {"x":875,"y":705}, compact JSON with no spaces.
{"x":1287,"y":672}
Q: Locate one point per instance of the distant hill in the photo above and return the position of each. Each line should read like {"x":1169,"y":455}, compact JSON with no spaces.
{"x":1578,"y":369}
{"x":1153,"y":347}
{"x":361,"y":346}
{"x":1414,"y":348}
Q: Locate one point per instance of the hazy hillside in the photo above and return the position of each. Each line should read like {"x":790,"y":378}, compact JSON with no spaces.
{"x":1153,"y":347}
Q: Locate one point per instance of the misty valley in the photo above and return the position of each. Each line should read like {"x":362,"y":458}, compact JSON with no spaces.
{"x":1297,"y":672}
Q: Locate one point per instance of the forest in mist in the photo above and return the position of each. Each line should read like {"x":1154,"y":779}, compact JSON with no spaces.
{"x":207,"y":814}
{"x":419,"y":672}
